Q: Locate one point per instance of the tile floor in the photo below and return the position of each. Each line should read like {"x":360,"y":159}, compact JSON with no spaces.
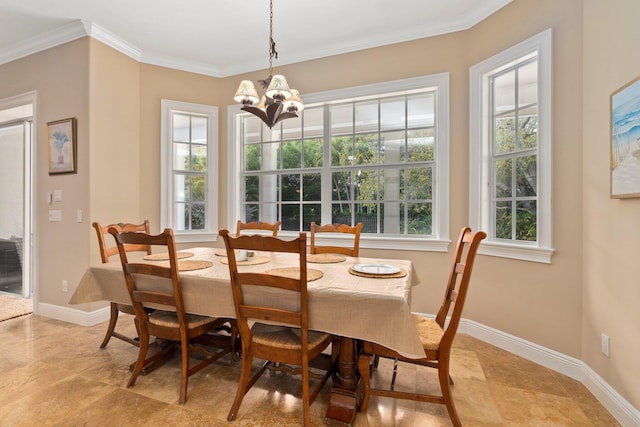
{"x":53,"y":373}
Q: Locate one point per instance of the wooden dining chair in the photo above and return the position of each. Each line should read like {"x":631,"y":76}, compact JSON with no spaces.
{"x":258,"y":225}
{"x":159,"y":285}
{"x":435,"y":335}
{"x":336,"y":228}
{"x":290,"y":342}
{"x":106,"y":252}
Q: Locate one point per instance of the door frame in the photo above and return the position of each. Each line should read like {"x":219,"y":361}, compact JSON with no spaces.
{"x":29,"y":257}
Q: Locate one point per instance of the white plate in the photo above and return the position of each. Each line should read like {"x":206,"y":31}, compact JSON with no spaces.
{"x":376,"y":268}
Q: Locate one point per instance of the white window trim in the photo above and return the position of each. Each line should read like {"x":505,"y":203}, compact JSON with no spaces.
{"x":210,"y":233}
{"x":479,"y":219}
{"x":440,"y":241}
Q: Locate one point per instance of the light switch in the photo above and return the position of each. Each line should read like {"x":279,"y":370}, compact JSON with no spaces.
{"x":79,"y":215}
{"x":55,"y":216}
{"x":57,"y":195}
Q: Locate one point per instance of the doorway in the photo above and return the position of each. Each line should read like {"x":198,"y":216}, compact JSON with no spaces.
{"x":16,"y":194}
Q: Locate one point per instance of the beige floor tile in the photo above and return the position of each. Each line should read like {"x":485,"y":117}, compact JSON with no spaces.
{"x":54,"y":373}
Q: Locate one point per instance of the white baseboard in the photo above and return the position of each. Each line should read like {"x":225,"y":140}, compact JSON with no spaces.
{"x":622,"y":410}
{"x":72,"y":315}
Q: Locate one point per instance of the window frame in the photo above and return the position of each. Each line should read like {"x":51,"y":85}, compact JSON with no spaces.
{"x":210,"y":232}
{"x":440,"y":239}
{"x":481,"y":184}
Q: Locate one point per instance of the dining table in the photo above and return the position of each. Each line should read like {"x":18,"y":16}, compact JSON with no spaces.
{"x":355,"y":298}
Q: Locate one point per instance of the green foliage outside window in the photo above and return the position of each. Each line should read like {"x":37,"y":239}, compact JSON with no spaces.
{"x":370,"y":171}
{"x":515,"y":175}
{"x":195,"y":189}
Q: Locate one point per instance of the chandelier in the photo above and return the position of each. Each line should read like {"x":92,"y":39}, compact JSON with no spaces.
{"x":279,"y":101}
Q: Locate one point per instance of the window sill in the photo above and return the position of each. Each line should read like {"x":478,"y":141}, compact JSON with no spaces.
{"x":524,"y":253}
{"x":199,"y":237}
{"x":379,"y":242}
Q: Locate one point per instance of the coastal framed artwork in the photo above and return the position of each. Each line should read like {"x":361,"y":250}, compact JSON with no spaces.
{"x":625,"y":141}
{"x":61,"y":135}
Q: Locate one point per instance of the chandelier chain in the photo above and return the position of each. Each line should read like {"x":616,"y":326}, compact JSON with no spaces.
{"x":279,"y":102}
{"x":272,"y":44}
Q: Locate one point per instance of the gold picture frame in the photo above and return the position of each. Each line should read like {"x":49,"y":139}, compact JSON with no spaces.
{"x":61,"y":137}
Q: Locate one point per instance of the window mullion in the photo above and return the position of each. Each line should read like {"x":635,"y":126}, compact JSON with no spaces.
{"x":326,"y":204}
{"x":514,"y":162}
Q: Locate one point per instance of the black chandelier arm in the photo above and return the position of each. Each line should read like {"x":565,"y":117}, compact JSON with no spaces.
{"x":272,"y":115}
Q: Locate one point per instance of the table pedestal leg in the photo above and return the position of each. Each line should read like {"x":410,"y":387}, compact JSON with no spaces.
{"x":343,"y":402}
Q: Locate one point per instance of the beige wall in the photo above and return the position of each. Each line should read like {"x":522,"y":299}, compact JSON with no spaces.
{"x":157,"y":83}
{"x":114,"y":140}
{"x":60,"y":77}
{"x":611,"y":227}
{"x":538,"y":302}
{"x":563,"y":306}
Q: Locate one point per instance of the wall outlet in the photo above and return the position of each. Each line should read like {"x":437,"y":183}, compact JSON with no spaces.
{"x":55,"y":215}
{"x":65,"y":286}
{"x":605,"y":344}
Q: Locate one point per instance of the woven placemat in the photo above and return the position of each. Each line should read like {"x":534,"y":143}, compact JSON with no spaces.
{"x":294,"y":273}
{"x":165,"y":256}
{"x":221,"y":252}
{"x":325,"y":258}
{"x":253,"y":261}
{"x":400,"y":273}
{"x":190,"y":265}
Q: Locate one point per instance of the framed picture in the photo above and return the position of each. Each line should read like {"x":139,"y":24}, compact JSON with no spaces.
{"x":62,"y":146}
{"x":625,"y":141}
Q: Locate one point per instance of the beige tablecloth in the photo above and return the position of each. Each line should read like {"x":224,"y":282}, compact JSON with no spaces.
{"x":371,"y":309}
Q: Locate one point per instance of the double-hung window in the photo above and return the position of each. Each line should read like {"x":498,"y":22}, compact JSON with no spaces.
{"x":375,"y":154}
{"x":189,"y":170}
{"x":510,"y":151}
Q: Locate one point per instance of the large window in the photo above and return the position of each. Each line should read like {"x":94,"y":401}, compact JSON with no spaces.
{"x":510,"y":151}
{"x":376,"y":155}
{"x":189,"y":168}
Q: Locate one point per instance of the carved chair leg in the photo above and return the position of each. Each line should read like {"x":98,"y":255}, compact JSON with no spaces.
{"x":445,"y":386}
{"x":113,"y":319}
{"x":185,"y":371}
{"x":243,"y":385}
{"x":142,"y":355}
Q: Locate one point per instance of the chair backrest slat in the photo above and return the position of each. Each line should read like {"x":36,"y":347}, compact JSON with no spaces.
{"x":293,"y":311}
{"x":155,"y":291}
{"x":154,"y":297}
{"x":258,"y":225}
{"x":270,"y":314}
{"x":271,"y":280}
{"x":458,"y":284}
{"x":336,"y":228}
{"x":106,"y":252}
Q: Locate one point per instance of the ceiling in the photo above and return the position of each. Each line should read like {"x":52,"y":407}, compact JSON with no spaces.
{"x":227,"y":37}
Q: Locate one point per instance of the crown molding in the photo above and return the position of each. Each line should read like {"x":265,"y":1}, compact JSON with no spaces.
{"x":113,"y":41}
{"x":65,"y":34}
{"x":82,"y":28}
{"x":44,"y":41}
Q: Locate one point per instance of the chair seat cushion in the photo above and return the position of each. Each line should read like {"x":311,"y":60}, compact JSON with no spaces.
{"x":284,"y":337}
{"x":430,"y":332}
{"x":170,"y":319}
